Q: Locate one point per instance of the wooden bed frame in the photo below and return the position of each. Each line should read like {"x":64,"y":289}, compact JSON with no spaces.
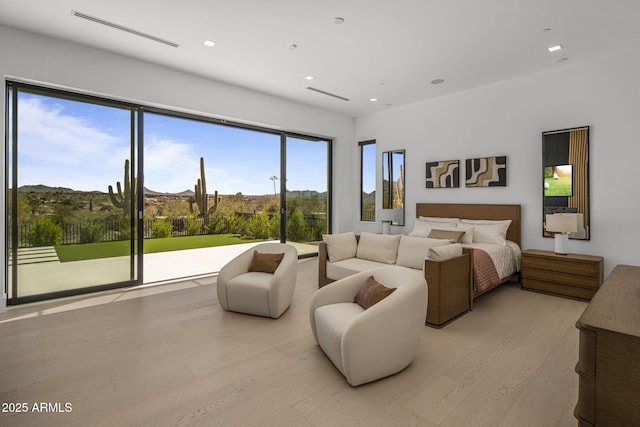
{"x":477,"y":211}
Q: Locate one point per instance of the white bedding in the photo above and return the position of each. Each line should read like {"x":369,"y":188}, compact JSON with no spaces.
{"x":506,"y":258}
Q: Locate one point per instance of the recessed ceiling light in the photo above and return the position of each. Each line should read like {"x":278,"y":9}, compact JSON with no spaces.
{"x":309,"y":77}
{"x":338,"y":20}
{"x":373,"y":99}
{"x":437,"y":81}
{"x":293,"y":46}
{"x":209,"y":43}
{"x":554,"y":48}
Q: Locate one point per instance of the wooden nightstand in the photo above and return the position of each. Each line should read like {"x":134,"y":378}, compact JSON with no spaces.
{"x":571,"y":275}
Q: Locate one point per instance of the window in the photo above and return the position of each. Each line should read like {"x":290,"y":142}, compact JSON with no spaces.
{"x":367,"y":180}
{"x":76,"y":208}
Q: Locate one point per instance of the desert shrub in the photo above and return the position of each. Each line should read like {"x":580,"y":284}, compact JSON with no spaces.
{"x":125,"y":228}
{"x":91,"y":232}
{"x":236,"y":224}
{"x":258,"y":226}
{"x":297,"y":229}
{"x":319,"y":229}
{"x":274,"y":226}
{"x":45,"y":232}
{"x":161,"y":228}
{"x":192,"y":225}
{"x":216,"y":224}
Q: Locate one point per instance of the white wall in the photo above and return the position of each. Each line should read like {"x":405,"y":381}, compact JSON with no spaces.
{"x":507,"y":119}
{"x":55,"y":62}
{"x":501,"y":119}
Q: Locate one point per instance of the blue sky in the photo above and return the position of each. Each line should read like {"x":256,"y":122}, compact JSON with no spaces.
{"x":84,"y":146}
{"x":369,"y":167}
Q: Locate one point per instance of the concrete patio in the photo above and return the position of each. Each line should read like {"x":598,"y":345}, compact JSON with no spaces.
{"x":53,"y":275}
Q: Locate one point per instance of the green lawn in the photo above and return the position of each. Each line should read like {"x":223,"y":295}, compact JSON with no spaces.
{"x":86,"y":251}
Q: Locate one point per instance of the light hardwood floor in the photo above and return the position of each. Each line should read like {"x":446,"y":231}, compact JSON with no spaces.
{"x":168,"y":355}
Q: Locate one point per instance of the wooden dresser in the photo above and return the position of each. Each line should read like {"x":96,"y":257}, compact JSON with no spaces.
{"x":609,"y":355}
{"x":571,"y":275}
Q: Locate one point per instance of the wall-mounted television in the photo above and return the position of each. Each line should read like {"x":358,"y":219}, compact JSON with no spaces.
{"x":558,"y":181}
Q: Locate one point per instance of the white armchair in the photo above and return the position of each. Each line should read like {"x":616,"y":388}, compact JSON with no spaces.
{"x":366,"y":345}
{"x":258,"y":293}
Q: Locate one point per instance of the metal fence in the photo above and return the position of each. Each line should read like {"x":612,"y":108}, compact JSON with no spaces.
{"x":112,"y":231}
{"x":369,"y":215}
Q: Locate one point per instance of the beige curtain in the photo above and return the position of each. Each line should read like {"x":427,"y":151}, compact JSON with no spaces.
{"x":579,"y":158}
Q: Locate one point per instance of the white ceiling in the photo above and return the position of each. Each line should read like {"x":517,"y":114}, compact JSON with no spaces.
{"x":389,"y":50}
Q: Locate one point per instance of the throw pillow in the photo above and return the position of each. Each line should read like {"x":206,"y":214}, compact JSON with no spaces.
{"x":378,"y":247}
{"x":413,"y":250}
{"x":265,"y":262}
{"x":371,"y":292}
{"x":341,"y":246}
{"x":443,"y":253}
{"x":454,"y":236}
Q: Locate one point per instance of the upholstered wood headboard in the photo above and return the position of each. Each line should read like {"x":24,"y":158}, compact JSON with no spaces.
{"x":476,"y":211}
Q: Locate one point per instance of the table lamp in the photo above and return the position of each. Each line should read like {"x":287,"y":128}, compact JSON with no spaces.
{"x":561,"y":224}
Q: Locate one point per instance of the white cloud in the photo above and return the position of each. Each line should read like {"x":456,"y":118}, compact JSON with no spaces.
{"x":84,"y":147}
{"x":59,"y":149}
{"x":169,"y":166}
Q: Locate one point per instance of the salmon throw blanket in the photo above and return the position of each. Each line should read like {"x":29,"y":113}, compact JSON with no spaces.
{"x":485,"y":274}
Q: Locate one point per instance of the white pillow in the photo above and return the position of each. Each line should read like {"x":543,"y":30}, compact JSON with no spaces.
{"x":422,"y":227}
{"x":488,"y":231}
{"x":442,"y":253}
{"x":413,"y":250}
{"x":378,"y":247}
{"x":505,"y":222}
{"x":439,"y":219}
{"x":467,"y":237}
{"x":341,"y":246}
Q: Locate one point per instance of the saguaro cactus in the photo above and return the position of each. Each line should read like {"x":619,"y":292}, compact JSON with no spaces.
{"x":201,"y":196}
{"x":123,"y":199}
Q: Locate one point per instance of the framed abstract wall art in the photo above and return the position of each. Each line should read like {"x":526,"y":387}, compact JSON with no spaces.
{"x":486,"y":172}
{"x":444,"y":174}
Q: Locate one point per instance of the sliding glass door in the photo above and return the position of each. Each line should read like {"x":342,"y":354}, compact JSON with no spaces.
{"x":72,"y":193}
{"x":79,"y":217}
{"x":207,"y":184}
{"x":307,"y":168}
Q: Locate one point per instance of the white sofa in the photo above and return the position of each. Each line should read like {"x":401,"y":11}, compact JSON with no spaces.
{"x":449,"y":275}
{"x":349,"y":254}
{"x":372,"y":343}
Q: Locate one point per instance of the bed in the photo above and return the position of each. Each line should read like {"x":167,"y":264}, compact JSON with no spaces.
{"x":506,"y":258}
{"x":450,"y":282}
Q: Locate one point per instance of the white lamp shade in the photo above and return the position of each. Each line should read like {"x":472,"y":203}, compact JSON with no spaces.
{"x":562,"y":223}
{"x":582,"y":232}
